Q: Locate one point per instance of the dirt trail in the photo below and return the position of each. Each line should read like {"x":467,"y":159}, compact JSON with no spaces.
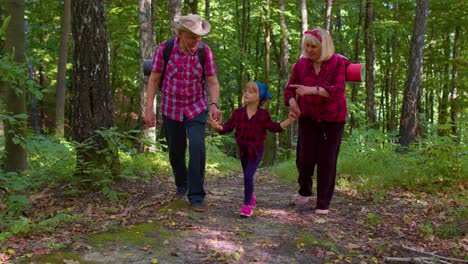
{"x":276,"y":233}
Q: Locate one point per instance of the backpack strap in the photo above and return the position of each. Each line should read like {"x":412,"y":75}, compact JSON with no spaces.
{"x":168,"y":50}
{"x":166,"y":55}
{"x":202,"y":57}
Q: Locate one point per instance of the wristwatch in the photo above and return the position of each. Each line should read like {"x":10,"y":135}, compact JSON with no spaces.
{"x":216,"y":104}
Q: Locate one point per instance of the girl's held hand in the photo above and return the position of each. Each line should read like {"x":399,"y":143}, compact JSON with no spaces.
{"x":215,"y":124}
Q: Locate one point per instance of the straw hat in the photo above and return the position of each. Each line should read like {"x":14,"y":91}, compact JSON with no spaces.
{"x":193,"y":23}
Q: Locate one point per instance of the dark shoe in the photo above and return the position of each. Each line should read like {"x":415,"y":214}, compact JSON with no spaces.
{"x":198,"y":206}
{"x":180,"y":193}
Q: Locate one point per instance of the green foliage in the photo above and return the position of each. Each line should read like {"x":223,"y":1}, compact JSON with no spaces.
{"x":371,"y":159}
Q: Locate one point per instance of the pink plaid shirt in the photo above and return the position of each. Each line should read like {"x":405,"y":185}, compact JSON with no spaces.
{"x":332,"y":78}
{"x":183,"y":91}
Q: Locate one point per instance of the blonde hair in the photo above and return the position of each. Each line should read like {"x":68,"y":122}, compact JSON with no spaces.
{"x":251,"y":86}
{"x":326,"y":44}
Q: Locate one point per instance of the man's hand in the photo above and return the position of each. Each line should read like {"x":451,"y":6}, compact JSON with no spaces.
{"x":150,"y":118}
{"x":215,"y":113}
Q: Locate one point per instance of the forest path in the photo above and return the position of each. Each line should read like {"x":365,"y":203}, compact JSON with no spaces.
{"x":355,"y":231}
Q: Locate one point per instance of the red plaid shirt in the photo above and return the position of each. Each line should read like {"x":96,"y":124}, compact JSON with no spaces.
{"x":332,"y":78}
{"x":250,"y":133}
{"x":183,"y":91}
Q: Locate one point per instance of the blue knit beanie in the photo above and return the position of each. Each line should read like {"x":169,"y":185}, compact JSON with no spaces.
{"x":263,"y":91}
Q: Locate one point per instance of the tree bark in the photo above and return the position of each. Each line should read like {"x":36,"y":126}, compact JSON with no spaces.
{"x":93,"y":106}
{"x":304,"y":20}
{"x":174,"y":12}
{"x":14,"y":159}
{"x":191,"y":6}
{"x":357,"y":51}
{"x":328,"y":16}
{"x":62,"y":70}
{"x":455,"y":109}
{"x":409,"y":124}
{"x":370,"y":62}
{"x":146,"y":52}
{"x":244,"y":29}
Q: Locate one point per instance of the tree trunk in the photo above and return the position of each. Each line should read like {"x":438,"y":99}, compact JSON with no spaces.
{"x":444,"y":100}
{"x":284,"y":72}
{"x":244,"y":33}
{"x":92,"y":96}
{"x":207,"y":10}
{"x":455,"y":110}
{"x":304,"y":20}
{"x":62,"y":70}
{"x":191,"y":6}
{"x":146,"y":52}
{"x":14,"y":95}
{"x":267,"y":41}
{"x":370,"y":62}
{"x":174,"y":11}
{"x":328,"y":16}
{"x":409,"y":124}
{"x":357,"y":51}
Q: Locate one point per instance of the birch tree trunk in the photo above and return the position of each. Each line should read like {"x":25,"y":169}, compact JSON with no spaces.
{"x":174,"y":11}
{"x":62,"y":70}
{"x":328,"y":16}
{"x":304,"y":20}
{"x":146,"y":52}
{"x":455,"y":109}
{"x":409,"y":123}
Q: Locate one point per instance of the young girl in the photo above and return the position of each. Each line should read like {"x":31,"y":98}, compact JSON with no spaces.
{"x":251,"y":123}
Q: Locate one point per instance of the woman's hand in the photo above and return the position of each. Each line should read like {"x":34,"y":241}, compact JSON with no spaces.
{"x":303,"y":90}
{"x":294,"y":110}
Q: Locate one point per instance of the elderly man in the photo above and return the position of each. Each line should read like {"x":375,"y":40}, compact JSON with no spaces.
{"x":184,"y":103}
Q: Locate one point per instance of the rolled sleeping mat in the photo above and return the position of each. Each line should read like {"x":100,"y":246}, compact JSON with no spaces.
{"x":147,"y":67}
{"x":355,"y":72}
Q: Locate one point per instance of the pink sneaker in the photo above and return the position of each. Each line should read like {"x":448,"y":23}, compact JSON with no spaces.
{"x":301,"y":200}
{"x":246,"y":211}
{"x":321,"y":211}
{"x":253,"y":201}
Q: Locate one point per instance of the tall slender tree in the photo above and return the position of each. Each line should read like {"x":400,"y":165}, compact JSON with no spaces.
{"x":328,"y":16}
{"x":409,"y":123}
{"x":93,"y":106}
{"x":175,"y":12}
{"x":62,"y":69}
{"x":14,"y":92}
{"x":370,"y":62}
{"x":454,"y":101}
{"x":146,"y":51}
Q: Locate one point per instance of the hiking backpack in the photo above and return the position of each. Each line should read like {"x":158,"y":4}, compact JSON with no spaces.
{"x":167,"y":54}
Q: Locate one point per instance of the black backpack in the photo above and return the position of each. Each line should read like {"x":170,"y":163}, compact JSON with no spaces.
{"x":167,"y":54}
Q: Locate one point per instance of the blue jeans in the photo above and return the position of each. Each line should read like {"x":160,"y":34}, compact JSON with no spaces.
{"x":176,"y":135}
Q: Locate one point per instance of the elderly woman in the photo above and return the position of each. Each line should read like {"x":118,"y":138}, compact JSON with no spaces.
{"x":316,"y":95}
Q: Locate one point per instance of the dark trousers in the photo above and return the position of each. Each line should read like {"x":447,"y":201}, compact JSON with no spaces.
{"x":176,"y":135}
{"x":318,"y":144}
{"x":249,"y":168}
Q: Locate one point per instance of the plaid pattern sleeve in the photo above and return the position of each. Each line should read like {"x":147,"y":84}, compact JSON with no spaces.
{"x":250,"y":133}
{"x":332,"y":78}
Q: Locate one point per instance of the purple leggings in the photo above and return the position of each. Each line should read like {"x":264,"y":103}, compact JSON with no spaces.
{"x":249,"y":167}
